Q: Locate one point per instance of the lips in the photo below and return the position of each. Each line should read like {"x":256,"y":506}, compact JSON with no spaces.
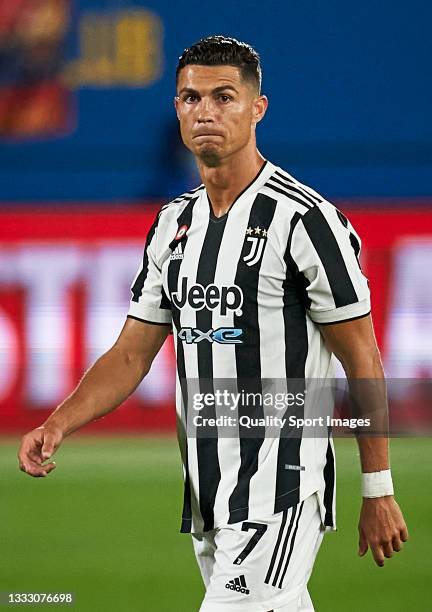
{"x":203,"y":134}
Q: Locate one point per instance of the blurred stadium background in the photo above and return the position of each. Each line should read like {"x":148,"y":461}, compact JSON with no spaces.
{"x":89,"y":149}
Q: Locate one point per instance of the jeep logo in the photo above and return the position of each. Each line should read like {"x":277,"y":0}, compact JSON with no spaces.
{"x":211,"y":297}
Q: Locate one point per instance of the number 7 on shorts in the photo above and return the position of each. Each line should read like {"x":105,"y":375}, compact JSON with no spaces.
{"x":260,"y":530}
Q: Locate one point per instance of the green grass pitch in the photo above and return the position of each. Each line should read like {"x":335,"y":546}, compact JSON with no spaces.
{"x":105,"y":526}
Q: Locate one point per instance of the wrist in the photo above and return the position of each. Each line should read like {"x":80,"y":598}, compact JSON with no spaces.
{"x":377,"y":484}
{"x":54,"y":425}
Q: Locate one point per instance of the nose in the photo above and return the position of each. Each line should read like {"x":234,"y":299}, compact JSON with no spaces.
{"x":205,"y":111}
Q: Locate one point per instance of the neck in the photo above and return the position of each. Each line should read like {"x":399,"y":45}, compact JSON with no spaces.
{"x":227,"y":181}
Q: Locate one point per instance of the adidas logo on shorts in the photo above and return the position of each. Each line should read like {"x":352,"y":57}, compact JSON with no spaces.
{"x":238,"y":584}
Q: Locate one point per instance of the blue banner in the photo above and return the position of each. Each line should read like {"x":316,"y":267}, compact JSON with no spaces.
{"x":86,"y":95}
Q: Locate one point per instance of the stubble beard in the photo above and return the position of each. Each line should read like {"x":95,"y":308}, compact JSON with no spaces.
{"x":209,"y":157}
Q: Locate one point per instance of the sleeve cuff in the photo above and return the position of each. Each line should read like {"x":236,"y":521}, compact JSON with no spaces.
{"x":145,"y":313}
{"x":343,"y":313}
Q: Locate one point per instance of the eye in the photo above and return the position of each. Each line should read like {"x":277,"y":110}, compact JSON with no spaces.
{"x":224,"y":98}
{"x":190,"y":98}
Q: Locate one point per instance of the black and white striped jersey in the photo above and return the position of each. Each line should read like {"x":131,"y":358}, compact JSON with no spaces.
{"x":244,"y":293}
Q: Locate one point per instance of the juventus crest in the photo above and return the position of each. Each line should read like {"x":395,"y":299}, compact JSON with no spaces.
{"x":256,"y":237}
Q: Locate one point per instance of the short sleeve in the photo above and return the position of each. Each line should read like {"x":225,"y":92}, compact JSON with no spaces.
{"x":149,"y":302}
{"x":325,"y":249}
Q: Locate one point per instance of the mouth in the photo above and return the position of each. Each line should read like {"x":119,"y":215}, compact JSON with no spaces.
{"x":207,"y":135}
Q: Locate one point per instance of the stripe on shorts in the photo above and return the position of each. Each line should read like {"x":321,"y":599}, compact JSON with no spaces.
{"x":291,"y":546}
{"x":276,"y":548}
{"x":292,"y":512}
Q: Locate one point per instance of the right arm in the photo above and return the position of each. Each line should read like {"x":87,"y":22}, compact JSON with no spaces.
{"x":109,"y":381}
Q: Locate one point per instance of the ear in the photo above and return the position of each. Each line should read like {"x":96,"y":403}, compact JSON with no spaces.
{"x":259,"y":108}
{"x":176,"y":102}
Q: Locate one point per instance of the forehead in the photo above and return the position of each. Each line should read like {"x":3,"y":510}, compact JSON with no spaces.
{"x":202,"y":78}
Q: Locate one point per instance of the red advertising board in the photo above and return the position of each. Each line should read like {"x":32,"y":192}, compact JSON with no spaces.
{"x":64,"y":291}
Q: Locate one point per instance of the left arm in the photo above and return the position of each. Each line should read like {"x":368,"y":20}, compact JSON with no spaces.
{"x":381,"y":526}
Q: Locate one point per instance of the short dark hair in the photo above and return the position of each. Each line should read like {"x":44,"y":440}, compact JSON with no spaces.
{"x":223,"y":51}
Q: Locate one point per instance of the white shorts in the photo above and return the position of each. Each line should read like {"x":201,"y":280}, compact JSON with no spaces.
{"x":261,"y":565}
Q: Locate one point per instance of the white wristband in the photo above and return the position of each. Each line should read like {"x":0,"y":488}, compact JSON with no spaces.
{"x":377,"y":484}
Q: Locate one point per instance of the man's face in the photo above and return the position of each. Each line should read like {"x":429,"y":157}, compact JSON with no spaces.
{"x":217,"y":110}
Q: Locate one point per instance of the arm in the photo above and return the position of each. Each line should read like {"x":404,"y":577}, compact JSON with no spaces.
{"x":381,"y":525}
{"x":110,"y":380}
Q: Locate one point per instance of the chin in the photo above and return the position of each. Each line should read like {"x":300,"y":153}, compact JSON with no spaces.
{"x":210,"y":157}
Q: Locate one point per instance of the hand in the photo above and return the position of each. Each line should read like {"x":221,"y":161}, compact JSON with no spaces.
{"x":36,"y":447}
{"x":381,"y":527}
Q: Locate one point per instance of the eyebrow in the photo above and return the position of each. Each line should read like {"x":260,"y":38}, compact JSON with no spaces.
{"x":189,"y":90}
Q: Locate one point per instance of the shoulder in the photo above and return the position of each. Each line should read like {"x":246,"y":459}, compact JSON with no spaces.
{"x":290,"y":193}
{"x":302,"y":201}
{"x":175,"y":207}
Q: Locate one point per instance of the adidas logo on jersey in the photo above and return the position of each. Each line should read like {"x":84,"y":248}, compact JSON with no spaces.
{"x":238,"y":584}
{"x":178,"y":252}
